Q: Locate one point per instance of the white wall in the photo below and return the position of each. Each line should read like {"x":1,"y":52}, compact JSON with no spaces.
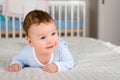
{"x":109,"y":21}
{"x":87,"y":18}
{"x":93,"y":18}
{"x":1,"y":2}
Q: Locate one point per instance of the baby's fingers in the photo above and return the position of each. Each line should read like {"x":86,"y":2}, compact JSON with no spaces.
{"x":13,"y":68}
{"x":44,"y":68}
{"x":9,"y":69}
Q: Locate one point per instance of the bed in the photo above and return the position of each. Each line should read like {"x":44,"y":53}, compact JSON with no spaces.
{"x":94,"y":59}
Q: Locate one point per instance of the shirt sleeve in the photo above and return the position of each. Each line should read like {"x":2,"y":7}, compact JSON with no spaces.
{"x":20,"y":58}
{"x":66,"y":61}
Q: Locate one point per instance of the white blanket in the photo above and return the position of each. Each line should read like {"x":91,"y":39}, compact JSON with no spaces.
{"x":94,"y":60}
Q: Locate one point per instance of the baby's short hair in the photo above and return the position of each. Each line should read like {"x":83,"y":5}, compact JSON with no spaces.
{"x":36,"y":17}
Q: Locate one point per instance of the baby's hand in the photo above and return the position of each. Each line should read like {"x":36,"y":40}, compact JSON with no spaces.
{"x":13,"y":68}
{"x":52,"y":68}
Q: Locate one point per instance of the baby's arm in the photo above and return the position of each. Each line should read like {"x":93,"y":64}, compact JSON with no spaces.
{"x":17,"y":62}
{"x":13,"y":67}
{"x":66,"y":61}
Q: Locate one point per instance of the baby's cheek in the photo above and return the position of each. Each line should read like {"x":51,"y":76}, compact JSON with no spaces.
{"x":56,"y":44}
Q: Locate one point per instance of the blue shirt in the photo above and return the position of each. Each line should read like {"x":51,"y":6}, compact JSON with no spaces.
{"x":61,"y":57}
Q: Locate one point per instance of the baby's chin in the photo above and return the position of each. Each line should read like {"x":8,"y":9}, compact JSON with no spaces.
{"x":51,"y":51}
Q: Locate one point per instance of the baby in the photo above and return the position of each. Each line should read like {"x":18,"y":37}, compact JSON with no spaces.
{"x":45,"y":49}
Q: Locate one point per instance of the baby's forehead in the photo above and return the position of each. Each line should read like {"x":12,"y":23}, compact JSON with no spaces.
{"x":42,"y":23}
{"x":42,"y":27}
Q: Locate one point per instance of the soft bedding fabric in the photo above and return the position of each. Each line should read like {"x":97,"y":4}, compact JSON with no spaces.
{"x":94,"y":60}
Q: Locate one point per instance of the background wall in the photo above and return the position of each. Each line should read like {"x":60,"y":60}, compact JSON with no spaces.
{"x":93,"y":18}
{"x":1,"y":2}
{"x":109,"y":21}
{"x":1,"y":6}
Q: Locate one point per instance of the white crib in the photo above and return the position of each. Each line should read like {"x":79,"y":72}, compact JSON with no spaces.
{"x":69,"y":18}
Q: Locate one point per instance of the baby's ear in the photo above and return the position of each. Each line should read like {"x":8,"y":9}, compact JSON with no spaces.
{"x":28,"y":40}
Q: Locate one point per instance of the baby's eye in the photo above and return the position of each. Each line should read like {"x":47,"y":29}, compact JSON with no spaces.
{"x":42,"y":38}
{"x":53,"y":33}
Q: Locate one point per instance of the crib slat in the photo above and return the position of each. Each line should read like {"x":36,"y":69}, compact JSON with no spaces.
{"x":6,"y":26}
{"x":72,"y":20}
{"x":53,"y":11}
{"x":65,"y":20}
{"x":60,"y":20}
{"x":78,"y":20}
{"x":20,"y":28}
{"x":81,"y":14}
{"x":84,"y":19}
{"x":0,"y":29}
{"x":13,"y":27}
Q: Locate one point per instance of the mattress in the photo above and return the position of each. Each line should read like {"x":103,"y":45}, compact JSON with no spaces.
{"x":94,"y":60}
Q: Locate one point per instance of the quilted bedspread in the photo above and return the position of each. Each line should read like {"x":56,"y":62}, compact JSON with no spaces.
{"x":94,"y":60}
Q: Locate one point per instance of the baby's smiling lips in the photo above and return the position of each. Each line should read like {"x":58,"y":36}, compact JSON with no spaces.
{"x":50,"y":47}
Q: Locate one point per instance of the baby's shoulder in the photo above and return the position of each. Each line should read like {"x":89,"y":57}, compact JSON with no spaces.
{"x":62,"y":44}
{"x":61,"y":48}
{"x":26,"y":49}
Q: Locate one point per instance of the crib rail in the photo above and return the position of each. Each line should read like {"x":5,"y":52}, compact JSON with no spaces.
{"x":69,"y":18}
{"x":66,"y":11}
{"x":9,"y":30}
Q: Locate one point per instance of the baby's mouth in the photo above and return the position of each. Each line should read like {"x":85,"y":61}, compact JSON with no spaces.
{"x":50,"y":47}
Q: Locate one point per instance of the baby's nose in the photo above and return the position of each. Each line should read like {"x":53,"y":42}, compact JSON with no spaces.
{"x":49,"y":40}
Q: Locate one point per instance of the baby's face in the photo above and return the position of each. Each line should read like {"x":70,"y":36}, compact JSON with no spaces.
{"x":43,"y":37}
